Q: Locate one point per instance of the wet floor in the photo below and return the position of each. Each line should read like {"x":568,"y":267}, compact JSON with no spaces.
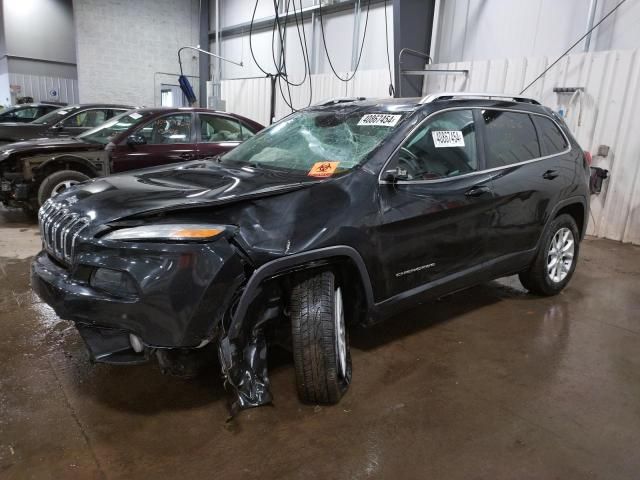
{"x":490,"y":383}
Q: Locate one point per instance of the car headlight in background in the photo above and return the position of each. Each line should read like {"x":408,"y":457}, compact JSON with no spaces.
{"x":175,"y":232}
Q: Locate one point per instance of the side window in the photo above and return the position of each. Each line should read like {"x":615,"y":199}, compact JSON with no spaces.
{"x":219,"y":129}
{"x":86,"y":119}
{"x":445,"y":146}
{"x":168,"y":129}
{"x":552,"y":140}
{"x":246,"y":133}
{"x":113,"y":113}
{"x":27,"y":113}
{"x":510,"y":137}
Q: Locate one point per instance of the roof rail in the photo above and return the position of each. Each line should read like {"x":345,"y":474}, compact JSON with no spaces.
{"x":334,"y":101}
{"x":452,"y":95}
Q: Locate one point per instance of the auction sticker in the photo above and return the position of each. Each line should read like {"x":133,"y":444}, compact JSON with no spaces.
{"x":323,"y":169}
{"x":447,"y":138}
{"x":380,"y":119}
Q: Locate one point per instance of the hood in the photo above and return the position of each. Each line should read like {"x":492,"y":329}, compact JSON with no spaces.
{"x":46,"y":146}
{"x":193,"y":184}
{"x":19,"y":131}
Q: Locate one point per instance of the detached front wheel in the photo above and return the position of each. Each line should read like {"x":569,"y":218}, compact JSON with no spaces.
{"x":320,"y":342}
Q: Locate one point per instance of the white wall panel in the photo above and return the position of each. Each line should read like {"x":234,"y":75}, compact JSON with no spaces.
{"x":248,"y":97}
{"x":252,"y":97}
{"x":483,"y":29}
{"x":41,"y":88}
{"x":611,"y":80}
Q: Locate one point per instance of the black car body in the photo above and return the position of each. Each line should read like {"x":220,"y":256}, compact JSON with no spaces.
{"x":27,"y":112}
{"x":61,"y":122}
{"x":446,"y":193}
{"x":33,"y":171}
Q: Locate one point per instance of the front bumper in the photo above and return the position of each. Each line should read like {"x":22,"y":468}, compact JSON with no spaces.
{"x":181,"y":292}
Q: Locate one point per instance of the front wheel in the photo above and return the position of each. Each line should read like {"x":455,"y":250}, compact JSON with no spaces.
{"x":58,"y":182}
{"x":320,"y":342}
{"x":556,"y":259}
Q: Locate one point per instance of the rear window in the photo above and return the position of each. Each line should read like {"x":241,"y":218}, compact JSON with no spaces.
{"x":510,"y":137}
{"x":552,"y":140}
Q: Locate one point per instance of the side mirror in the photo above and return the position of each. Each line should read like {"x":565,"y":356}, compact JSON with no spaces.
{"x":396,"y":174}
{"x":136,"y":139}
{"x":57,"y":126}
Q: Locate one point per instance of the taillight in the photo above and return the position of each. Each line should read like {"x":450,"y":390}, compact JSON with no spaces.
{"x":587,"y":158}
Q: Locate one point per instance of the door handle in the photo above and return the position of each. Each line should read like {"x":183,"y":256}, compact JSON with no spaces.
{"x":477,"y":191}
{"x":187,"y":156}
{"x":550,"y":174}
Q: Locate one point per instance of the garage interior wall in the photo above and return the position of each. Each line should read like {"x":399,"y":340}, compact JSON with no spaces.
{"x":486,"y":29}
{"x":127,"y":48}
{"x":38,"y":51}
{"x":251,"y":97}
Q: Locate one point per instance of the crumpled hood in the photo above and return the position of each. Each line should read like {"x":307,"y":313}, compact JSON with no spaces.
{"x":193,"y":184}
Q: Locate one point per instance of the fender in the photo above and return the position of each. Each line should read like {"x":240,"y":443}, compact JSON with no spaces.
{"x":292,"y":263}
{"x":69,"y":158}
{"x":578,"y":199}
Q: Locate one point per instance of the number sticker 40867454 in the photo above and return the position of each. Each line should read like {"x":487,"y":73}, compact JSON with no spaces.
{"x":447,"y":138}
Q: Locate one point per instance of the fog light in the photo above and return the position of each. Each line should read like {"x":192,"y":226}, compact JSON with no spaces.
{"x":113,"y":281}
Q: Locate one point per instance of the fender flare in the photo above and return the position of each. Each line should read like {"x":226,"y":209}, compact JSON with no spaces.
{"x":578,"y":199}
{"x":292,"y":263}
{"x":70,"y":158}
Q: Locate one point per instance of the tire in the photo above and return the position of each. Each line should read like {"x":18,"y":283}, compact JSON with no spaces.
{"x":321,"y":376}
{"x":57,"y":182}
{"x":541,"y":278}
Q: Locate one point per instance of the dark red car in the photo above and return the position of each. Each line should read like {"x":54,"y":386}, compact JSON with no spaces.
{"x":33,"y":171}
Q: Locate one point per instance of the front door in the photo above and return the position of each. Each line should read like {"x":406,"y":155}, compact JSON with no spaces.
{"x":435,"y":217}
{"x":167,"y":139}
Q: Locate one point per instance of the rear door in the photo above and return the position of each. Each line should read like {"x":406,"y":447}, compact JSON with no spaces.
{"x":168,"y":139}
{"x":528,"y":155}
{"x":434,"y":224}
{"x":219,"y":134}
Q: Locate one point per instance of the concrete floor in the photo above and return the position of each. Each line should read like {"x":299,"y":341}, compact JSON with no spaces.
{"x":490,"y":383}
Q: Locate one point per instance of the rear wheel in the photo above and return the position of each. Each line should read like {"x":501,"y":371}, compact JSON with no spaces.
{"x":555,"y":261}
{"x":320,"y":342}
{"x":58,"y":182}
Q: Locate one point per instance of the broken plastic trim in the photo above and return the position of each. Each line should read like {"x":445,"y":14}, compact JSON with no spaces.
{"x":243,"y":348}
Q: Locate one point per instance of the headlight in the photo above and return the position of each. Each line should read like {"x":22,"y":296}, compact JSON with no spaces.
{"x":167,"y":232}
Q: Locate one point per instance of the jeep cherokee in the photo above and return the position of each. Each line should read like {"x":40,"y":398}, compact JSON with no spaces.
{"x":346,"y":212}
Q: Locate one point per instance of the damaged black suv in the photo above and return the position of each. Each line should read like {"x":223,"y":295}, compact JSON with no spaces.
{"x":343,"y":213}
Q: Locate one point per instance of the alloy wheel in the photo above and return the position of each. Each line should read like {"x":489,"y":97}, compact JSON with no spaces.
{"x":560,"y":255}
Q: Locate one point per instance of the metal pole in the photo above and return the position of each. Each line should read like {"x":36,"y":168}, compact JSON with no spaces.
{"x":590,"y":18}
{"x":204,"y":62}
{"x":356,"y":35}
{"x":218,"y":72}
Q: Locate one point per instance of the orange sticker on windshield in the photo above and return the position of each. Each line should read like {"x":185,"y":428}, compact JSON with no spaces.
{"x":323,"y":169}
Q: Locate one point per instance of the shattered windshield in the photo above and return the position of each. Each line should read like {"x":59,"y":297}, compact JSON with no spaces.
{"x":107,"y":131}
{"x":316,"y":143}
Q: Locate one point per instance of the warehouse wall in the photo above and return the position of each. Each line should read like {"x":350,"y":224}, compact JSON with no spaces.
{"x":121,"y":44}
{"x":338,"y":28}
{"x":484,"y":29}
{"x":611,"y":82}
{"x":38,"y":46}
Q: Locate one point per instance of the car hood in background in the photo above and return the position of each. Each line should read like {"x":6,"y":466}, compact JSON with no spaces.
{"x":193,"y":184}
{"x":45,"y":146}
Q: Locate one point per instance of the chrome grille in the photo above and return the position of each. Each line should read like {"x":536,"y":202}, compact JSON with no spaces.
{"x":59,"y":229}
